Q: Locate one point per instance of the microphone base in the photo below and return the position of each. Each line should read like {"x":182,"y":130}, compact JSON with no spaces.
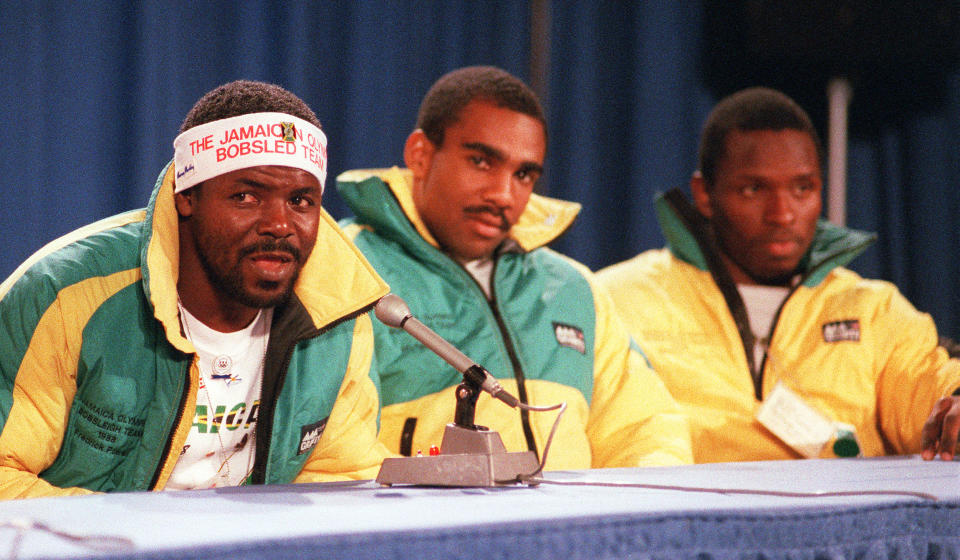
{"x":468,"y":458}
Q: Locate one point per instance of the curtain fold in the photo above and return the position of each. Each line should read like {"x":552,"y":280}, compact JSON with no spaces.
{"x":629,"y":91}
{"x":94,"y":92}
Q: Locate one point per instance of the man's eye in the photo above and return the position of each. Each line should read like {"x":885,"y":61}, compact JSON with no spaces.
{"x":750,"y":190}
{"x":302,"y":201}
{"x":526,"y":176}
{"x":480,"y":161}
{"x":242,"y":197}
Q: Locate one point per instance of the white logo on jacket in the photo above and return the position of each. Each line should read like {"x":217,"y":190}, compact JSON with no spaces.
{"x":570,"y":336}
{"x":838,"y":331}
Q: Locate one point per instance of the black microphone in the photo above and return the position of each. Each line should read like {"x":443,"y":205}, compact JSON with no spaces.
{"x":393,"y":312}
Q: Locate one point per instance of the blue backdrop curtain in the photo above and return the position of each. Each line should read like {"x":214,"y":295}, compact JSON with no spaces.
{"x":630,"y":88}
{"x":93,"y":93}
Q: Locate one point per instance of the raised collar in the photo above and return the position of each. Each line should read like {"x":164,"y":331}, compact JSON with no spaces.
{"x":689,"y":237}
{"x":336,"y":281}
{"x":543,"y":220}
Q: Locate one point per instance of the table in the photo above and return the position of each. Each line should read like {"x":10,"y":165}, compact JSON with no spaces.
{"x":361,"y":520}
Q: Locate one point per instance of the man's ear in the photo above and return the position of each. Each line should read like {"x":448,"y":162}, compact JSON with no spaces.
{"x":418,"y":153}
{"x":701,"y":196}
{"x":184,"y":201}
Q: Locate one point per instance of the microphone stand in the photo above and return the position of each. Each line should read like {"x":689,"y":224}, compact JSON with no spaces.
{"x":467,"y":393}
{"x":470,"y":455}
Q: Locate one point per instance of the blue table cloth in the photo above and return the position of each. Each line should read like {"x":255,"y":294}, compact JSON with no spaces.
{"x":917,"y":517}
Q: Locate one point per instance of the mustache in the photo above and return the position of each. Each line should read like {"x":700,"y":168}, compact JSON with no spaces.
{"x":271,"y":246}
{"x":493,"y":211}
{"x":781,"y":236}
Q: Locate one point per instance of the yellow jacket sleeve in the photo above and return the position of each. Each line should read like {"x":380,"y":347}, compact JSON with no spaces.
{"x":914,"y":372}
{"x":42,"y":392}
{"x":634,"y":421}
{"x":349,"y":448}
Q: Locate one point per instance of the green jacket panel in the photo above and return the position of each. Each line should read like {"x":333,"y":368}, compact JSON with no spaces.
{"x":29,"y":291}
{"x":92,"y":351}
{"x":532,"y":295}
{"x":307,"y":400}
{"x":542,"y":335}
{"x":103,"y":445}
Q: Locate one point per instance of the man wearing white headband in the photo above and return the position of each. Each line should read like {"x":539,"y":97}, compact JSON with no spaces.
{"x":216,"y":338}
{"x":461,"y":236}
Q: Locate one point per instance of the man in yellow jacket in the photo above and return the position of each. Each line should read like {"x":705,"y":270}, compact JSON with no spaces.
{"x":461,"y":237}
{"x":216,"y":338}
{"x":774,"y":349}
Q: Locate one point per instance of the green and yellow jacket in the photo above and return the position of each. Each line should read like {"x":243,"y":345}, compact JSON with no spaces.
{"x":99,"y":385}
{"x":548,"y":335}
{"x":854,"y":349}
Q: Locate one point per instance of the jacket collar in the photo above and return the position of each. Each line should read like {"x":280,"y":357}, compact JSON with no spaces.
{"x":689,"y":237}
{"x":336,"y":281}
{"x":366,"y":192}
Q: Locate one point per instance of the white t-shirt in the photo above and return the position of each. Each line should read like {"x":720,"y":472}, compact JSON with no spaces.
{"x":219,"y":450}
{"x":481,"y":270}
{"x":762,"y":303}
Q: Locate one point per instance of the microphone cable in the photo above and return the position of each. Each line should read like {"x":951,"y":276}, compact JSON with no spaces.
{"x":534,"y":478}
{"x":748,"y":491}
{"x":98,"y":543}
{"x":526,"y":478}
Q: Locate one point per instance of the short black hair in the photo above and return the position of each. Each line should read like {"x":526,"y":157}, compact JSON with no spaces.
{"x":243,"y":97}
{"x":448,"y":96}
{"x":757,"y":108}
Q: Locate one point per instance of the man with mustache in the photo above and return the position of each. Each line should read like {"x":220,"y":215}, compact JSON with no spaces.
{"x":460,"y":236}
{"x":216,"y":338}
{"x":774,"y":349}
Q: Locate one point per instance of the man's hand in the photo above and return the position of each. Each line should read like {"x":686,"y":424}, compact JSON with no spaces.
{"x":939,"y":433}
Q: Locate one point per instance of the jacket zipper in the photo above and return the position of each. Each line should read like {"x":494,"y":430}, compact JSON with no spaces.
{"x":758,"y":381}
{"x":261,"y":460}
{"x":512,"y":354}
{"x":758,"y":389}
{"x":176,"y":422}
{"x":521,"y":382}
{"x":508,"y":345}
{"x":728,"y":290}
